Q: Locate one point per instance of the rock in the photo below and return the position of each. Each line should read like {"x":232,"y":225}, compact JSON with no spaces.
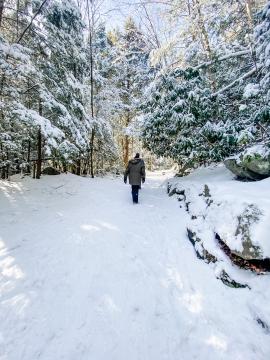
{"x":50,"y":171}
{"x":252,"y":164}
{"x":257,"y":165}
{"x":176,"y":191}
{"x":181,"y":198}
{"x":227,"y":280}
{"x":201,"y":252}
{"x":206,"y":191}
{"x":250,"y":216}
{"x":241,"y":173}
{"x":207,"y":195}
{"x":264,"y":325}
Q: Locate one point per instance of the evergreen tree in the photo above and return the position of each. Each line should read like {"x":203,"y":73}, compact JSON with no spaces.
{"x":177,"y":120}
{"x":133,"y":77}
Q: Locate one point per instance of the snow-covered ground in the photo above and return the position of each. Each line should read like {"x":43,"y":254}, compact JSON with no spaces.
{"x":86,"y":275}
{"x":230,"y":199}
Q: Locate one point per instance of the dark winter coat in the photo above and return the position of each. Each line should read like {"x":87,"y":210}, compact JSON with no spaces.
{"x":135,"y":171}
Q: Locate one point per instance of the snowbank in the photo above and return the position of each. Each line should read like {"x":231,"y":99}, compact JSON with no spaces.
{"x":85,"y":274}
{"x":234,"y":210}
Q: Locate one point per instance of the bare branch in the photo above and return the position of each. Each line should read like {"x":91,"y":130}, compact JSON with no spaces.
{"x":31,"y":22}
{"x":241,"y":78}
{"x":222,"y":58}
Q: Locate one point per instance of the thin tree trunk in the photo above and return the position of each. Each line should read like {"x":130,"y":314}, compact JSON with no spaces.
{"x":2,"y":2}
{"x":249,"y":7}
{"x":78,"y":167}
{"x":2,"y":169}
{"x":34,"y":170}
{"x":17,"y":18}
{"x":39,"y":147}
{"x":39,"y":152}
{"x":28,"y":156}
{"x":126,"y":141}
{"x":90,"y":24}
{"x":92,"y":107}
{"x":92,"y":153}
{"x":31,"y":22}
{"x":204,"y":36}
{"x":126,"y":150}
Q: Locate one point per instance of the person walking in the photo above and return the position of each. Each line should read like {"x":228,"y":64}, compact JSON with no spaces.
{"x":135,"y":172}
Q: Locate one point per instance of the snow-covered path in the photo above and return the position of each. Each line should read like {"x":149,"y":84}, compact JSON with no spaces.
{"x":86,"y":275}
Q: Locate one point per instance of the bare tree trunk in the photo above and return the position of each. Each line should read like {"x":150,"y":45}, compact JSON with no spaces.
{"x":132,"y":145}
{"x":28,"y":156}
{"x":39,"y":146}
{"x":34,"y":170}
{"x":92,"y":153}
{"x":31,"y":21}
{"x":2,"y":169}
{"x":39,"y":154}
{"x":17,"y":18}
{"x":78,"y":167}
{"x":2,"y":2}
{"x":249,"y":7}
{"x":91,"y":24}
{"x":8,"y":168}
{"x":204,"y":36}
{"x":126,"y":150}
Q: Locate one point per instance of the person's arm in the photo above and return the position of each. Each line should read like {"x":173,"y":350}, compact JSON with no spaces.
{"x":126,"y":174}
{"x":143,"y":172}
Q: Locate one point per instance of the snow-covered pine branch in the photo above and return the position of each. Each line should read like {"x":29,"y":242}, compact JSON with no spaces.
{"x":236,"y":81}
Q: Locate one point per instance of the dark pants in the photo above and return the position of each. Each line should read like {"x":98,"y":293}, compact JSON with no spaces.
{"x":135,"y":193}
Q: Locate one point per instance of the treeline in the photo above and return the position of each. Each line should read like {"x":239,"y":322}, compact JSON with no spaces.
{"x":68,"y":89}
{"x":84,"y":99}
{"x":211,"y":99}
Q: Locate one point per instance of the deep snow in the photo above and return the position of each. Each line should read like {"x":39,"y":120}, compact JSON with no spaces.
{"x":86,"y":275}
{"x":231,"y":198}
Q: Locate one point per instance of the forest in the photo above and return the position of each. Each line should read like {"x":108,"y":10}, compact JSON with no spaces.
{"x":134,"y":179}
{"x":184,"y":80}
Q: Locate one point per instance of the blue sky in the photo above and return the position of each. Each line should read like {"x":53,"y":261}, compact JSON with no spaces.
{"x":116,"y":11}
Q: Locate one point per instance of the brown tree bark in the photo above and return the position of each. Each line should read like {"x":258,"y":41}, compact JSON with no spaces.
{"x":249,"y":7}
{"x":78,"y":167}
{"x":39,"y":146}
{"x":201,"y":27}
{"x":92,"y":153}
{"x":39,"y":154}
{"x":126,"y":149}
{"x":92,"y":139}
{"x":28,"y":156}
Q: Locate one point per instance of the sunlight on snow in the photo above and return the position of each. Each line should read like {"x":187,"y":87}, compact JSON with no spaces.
{"x":88,"y":227}
{"x":217,"y":343}
{"x":193,"y":302}
{"x":102,"y":224}
{"x":7,"y":266}
{"x":8,"y":187}
{"x":9,"y":269}
{"x":107,"y":303}
{"x":2,"y":246}
{"x":18,"y":303}
{"x":10,"y":272}
{"x":174,"y":277}
{"x":108,"y":225}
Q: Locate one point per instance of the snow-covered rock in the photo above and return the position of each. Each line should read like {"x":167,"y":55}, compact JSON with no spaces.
{"x":253,"y":163}
{"x":235,"y":211}
{"x":49,"y":170}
